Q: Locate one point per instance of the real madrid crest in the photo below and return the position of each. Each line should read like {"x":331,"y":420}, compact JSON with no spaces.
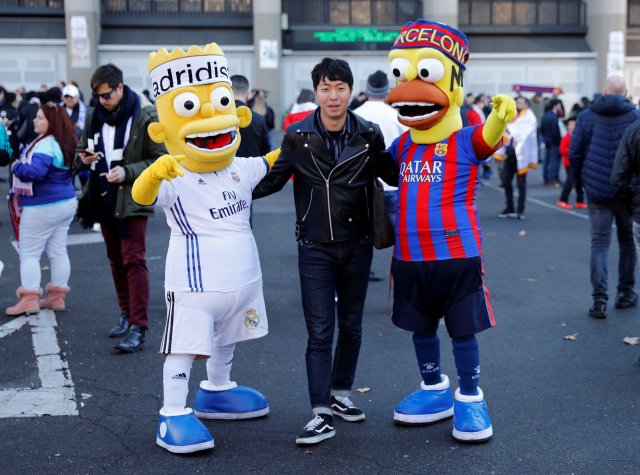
{"x":251,"y":319}
{"x":235,"y":177}
{"x":441,"y":149}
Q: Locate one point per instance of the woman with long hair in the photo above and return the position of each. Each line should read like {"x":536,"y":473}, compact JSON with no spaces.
{"x":42,"y":179}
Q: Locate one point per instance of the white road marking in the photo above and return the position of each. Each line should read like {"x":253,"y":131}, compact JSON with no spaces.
{"x":56,"y":396}
{"x":541,"y":203}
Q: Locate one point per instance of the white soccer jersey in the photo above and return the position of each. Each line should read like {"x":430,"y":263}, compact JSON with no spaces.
{"x":211,"y":246}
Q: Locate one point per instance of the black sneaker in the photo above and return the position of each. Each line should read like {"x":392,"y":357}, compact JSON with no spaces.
{"x":343,"y":407}
{"x":507,"y":213}
{"x":598,"y":310}
{"x":317,"y":429}
{"x":626,"y":299}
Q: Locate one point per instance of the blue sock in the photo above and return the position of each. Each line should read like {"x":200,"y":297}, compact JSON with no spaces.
{"x":427,"y":345}
{"x":467,"y":356}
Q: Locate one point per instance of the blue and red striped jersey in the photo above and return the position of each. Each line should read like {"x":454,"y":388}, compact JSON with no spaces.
{"x":437,"y":217}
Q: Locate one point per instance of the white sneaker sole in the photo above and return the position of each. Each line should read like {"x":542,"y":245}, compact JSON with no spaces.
{"x":421,"y":418}
{"x":316,"y":439}
{"x":186,"y":449}
{"x":480,"y":436}
{"x":232,"y":415}
{"x":346,"y":417}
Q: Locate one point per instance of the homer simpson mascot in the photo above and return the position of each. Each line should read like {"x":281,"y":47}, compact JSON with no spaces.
{"x":437,"y":262}
{"x":213,"y":281}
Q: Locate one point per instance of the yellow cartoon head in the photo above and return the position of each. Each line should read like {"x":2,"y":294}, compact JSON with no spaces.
{"x":196,"y":107}
{"x":427,"y":60}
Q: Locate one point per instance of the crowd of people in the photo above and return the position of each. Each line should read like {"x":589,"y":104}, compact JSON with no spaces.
{"x":50,"y":136}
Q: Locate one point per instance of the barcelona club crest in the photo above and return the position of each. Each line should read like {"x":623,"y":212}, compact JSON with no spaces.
{"x":251,"y":319}
{"x":441,"y":149}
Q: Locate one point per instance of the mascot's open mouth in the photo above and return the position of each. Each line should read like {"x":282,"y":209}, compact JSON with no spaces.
{"x":212,"y":141}
{"x":413,"y":111}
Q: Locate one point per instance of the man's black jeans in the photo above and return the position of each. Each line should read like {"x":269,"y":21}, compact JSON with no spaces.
{"x":328,"y":270}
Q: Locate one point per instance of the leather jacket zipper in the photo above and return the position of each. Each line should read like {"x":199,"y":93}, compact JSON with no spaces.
{"x":308,"y":207}
{"x":364,"y":164}
{"x":327,"y":179}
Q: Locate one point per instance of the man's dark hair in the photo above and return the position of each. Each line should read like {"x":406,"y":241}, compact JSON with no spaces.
{"x":240,"y":83}
{"x":333,"y":70}
{"x":9,"y":97}
{"x":108,"y":74}
{"x":552,"y":103}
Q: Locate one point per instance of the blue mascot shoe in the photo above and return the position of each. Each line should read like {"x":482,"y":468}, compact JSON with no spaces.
{"x":229,"y":402}
{"x":183,"y":434}
{"x":471,"y":421}
{"x":430,"y":403}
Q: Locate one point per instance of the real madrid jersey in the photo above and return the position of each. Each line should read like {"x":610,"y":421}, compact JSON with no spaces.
{"x":211,"y":246}
{"x":437,"y":217}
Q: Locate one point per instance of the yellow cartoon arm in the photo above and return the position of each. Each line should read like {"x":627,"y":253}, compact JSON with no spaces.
{"x":272,"y":156}
{"x":145,"y":188}
{"x":503,"y":111}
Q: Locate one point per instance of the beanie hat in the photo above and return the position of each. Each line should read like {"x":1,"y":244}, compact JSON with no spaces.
{"x":377,"y":85}
{"x":430,"y":34}
{"x":306,"y":95}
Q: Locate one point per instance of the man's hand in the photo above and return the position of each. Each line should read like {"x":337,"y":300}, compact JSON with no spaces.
{"x":504,"y":107}
{"x":116,"y":175}
{"x":88,"y":158}
{"x":166,"y":167}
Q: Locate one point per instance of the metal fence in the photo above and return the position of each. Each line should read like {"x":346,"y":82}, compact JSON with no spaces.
{"x":351,"y":12}
{"x":522,"y":16}
{"x":32,"y":7}
{"x":633,"y":13}
{"x":183,"y":13}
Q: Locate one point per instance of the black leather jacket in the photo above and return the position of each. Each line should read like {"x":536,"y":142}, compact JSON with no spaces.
{"x":332,"y":199}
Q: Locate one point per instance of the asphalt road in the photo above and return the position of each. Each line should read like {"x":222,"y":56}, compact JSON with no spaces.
{"x":558,"y":406}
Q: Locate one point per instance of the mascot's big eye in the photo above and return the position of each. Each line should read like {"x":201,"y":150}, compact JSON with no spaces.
{"x":430,"y":70}
{"x":221,"y":98}
{"x":186,"y":104}
{"x":399,"y":68}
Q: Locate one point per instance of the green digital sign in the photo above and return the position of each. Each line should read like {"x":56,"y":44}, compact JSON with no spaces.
{"x":355,"y":35}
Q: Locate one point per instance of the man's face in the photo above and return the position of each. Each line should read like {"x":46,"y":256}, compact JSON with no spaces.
{"x":521,"y":104}
{"x":109,"y":98}
{"x":70,"y":101}
{"x":333,"y":98}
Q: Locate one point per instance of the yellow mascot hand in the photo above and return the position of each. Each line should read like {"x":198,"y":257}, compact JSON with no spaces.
{"x":272,"y":156}
{"x":503,"y":111}
{"x":145,"y":188}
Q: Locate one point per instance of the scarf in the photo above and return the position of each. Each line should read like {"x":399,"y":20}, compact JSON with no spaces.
{"x":20,"y":187}
{"x":102,"y":195}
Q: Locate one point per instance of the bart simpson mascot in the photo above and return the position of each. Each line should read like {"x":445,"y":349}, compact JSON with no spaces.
{"x":437,"y":262}
{"x":213,"y":280}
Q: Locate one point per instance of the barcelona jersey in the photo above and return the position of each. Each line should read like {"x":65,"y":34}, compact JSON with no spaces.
{"x":436,"y":217}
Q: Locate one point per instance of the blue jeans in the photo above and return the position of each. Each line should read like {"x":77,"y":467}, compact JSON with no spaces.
{"x":552,"y":164}
{"x":602,"y":216}
{"x":327,"y":270}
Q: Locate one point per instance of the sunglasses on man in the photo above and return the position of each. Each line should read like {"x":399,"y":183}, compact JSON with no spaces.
{"x":105,"y":95}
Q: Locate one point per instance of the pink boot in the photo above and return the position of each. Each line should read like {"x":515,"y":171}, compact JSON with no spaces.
{"x":28,"y":302}
{"x":55,"y":297}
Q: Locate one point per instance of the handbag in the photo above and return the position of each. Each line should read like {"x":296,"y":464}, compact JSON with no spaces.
{"x":384,"y":234}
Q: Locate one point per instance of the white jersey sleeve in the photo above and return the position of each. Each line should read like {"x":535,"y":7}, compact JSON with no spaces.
{"x":167,"y":195}
{"x":254,"y":168}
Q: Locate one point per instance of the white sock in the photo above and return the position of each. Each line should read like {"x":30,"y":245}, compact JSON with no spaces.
{"x":219,"y":365}
{"x":175,"y":376}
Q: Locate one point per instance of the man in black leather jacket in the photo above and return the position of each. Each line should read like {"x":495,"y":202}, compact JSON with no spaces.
{"x":334,"y":156}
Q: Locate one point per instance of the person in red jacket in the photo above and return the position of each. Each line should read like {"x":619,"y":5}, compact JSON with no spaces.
{"x":305,"y":105}
{"x":573,"y":179}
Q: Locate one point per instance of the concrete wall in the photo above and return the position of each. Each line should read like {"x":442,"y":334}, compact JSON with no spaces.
{"x":30,"y":63}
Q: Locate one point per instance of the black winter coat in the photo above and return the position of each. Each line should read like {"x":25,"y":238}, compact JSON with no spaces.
{"x":332,"y":198}
{"x":595,"y":140}
{"x":626,"y":170}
